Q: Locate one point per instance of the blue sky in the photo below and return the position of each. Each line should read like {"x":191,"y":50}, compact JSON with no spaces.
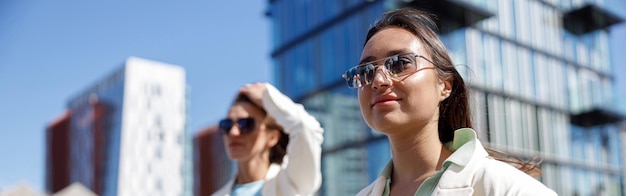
{"x":52,"y":50}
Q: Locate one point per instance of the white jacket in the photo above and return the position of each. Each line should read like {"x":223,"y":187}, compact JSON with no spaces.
{"x":473,"y":172}
{"x":300,"y":172}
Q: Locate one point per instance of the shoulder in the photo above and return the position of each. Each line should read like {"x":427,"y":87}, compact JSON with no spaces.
{"x":497,"y":178}
{"x":494,"y":169}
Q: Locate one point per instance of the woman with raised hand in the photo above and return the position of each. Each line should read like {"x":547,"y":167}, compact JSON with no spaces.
{"x":409,"y":90}
{"x":275,"y":143}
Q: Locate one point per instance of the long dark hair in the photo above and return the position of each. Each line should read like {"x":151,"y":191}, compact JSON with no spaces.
{"x":279,"y":150}
{"x":454,"y":112}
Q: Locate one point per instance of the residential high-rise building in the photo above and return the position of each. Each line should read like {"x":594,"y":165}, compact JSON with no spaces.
{"x":58,"y":154}
{"x":125,"y":135}
{"x":539,"y":70}
{"x":212,"y":168}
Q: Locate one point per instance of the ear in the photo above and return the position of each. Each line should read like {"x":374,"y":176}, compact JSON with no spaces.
{"x":445,"y":88}
{"x":273,"y":135}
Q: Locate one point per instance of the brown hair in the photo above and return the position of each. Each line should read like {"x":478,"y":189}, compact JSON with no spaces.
{"x":454,"y":112}
{"x":279,"y":150}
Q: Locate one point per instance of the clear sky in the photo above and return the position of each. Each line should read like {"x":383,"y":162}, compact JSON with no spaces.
{"x":52,"y":50}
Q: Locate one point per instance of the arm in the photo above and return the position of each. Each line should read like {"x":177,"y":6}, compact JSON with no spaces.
{"x":305,"y":140}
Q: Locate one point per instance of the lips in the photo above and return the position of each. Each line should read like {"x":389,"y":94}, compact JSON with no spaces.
{"x":235,"y":144}
{"x":383,"y":99}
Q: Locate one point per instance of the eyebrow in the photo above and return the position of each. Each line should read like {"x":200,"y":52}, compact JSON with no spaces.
{"x":390,"y":53}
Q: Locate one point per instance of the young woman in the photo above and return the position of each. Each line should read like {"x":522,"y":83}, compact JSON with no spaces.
{"x":409,"y":90}
{"x":275,"y":142}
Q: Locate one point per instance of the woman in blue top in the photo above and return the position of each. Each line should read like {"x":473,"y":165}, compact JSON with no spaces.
{"x":277,"y":145}
{"x":409,"y":90}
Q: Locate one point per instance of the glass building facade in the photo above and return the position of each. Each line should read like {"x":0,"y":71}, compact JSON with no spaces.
{"x":539,"y":70}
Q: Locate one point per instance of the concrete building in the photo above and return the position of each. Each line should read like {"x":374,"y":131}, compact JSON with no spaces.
{"x":124,"y":135}
{"x":21,"y":190}
{"x":540,"y":72}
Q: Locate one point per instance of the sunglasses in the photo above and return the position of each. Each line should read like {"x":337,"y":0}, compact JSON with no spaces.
{"x":245,"y":125}
{"x":396,"y":66}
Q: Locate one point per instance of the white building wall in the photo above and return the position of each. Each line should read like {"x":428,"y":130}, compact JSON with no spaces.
{"x":153,"y":123}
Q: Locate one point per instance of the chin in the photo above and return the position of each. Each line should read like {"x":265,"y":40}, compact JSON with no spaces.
{"x":387,"y":123}
{"x":234,"y":156}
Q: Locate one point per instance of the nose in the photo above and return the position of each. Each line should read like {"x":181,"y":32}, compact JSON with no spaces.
{"x":381,"y":78}
{"x":234,"y":131}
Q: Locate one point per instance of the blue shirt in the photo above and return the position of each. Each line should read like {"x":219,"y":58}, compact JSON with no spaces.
{"x":247,"y":189}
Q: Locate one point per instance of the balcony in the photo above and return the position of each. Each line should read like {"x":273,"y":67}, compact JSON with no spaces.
{"x":596,"y":116}
{"x":589,"y":18}
{"x":452,"y":14}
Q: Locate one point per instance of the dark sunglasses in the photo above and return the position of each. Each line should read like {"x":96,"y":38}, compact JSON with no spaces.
{"x":245,"y":125}
{"x":396,"y":66}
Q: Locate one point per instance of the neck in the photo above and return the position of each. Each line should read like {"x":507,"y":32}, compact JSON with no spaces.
{"x":252,"y":170}
{"x":417,"y":155}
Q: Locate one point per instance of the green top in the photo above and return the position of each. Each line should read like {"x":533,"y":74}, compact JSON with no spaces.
{"x":461,"y":155}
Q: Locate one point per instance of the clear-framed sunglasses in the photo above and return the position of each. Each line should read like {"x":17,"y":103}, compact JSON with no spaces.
{"x":395,"y":66}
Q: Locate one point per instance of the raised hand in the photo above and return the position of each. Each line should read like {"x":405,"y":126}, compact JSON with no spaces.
{"x":254,"y":92}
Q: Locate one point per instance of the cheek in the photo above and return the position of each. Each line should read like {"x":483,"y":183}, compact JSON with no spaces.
{"x":259,"y":140}
{"x":363,"y":100}
{"x":364,"y":103}
{"x":423,"y":94}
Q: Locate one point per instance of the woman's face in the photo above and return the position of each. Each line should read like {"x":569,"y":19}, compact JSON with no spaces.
{"x":245,"y":146}
{"x":394,"y":105}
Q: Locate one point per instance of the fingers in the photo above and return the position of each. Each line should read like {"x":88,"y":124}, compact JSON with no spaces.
{"x":253,"y":87}
{"x":254,"y":91}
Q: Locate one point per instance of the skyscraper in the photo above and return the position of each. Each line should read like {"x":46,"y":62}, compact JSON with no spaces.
{"x":212,"y":167}
{"x":127,"y":132}
{"x":57,"y":154}
{"x":539,"y":70}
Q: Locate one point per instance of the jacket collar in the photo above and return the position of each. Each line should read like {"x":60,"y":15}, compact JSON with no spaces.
{"x":464,"y":147}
